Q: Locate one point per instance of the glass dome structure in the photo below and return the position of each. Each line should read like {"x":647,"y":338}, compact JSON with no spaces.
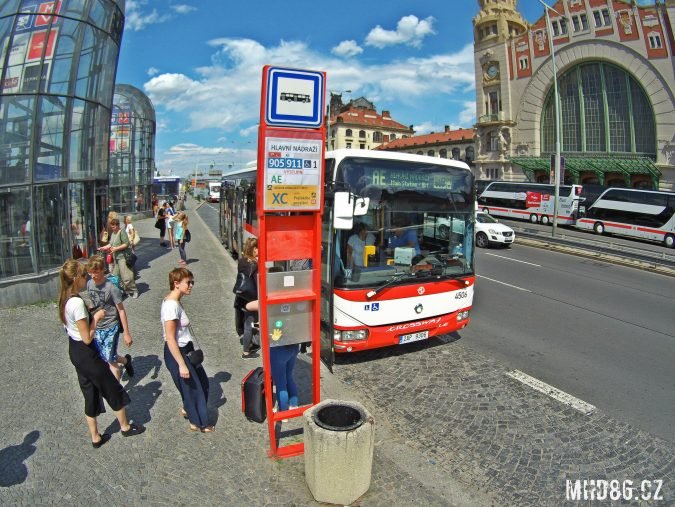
{"x":132,"y":150}
{"x":57,"y":71}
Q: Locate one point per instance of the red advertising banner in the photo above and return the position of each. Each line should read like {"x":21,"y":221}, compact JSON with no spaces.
{"x":46,"y":11}
{"x":533,"y":200}
{"x":37,"y":45}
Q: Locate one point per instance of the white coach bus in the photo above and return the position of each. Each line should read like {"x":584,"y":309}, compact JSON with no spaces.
{"x":530,"y":201}
{"x":646,"y":214}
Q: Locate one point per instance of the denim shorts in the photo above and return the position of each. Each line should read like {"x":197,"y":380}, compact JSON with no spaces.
{"x":106,"y":341}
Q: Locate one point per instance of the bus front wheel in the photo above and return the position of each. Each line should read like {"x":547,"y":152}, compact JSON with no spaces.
{"x":669,"y":241}
{"x":534,"y":218}
{"x":598,"y":228}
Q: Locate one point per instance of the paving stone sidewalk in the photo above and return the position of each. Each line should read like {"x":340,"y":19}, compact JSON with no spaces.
{"x":45,"y":454}
{"x":451,"y":427}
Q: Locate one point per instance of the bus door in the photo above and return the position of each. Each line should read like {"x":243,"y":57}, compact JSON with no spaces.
{"x":328,"y":271}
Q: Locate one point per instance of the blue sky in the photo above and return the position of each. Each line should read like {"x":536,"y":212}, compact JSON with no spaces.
{"x":200,"y":63}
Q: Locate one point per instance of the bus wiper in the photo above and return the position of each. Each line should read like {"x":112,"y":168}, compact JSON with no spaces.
{"x":395,"y":279}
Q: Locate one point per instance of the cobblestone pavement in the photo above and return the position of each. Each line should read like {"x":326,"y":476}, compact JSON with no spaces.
{"x":451,"y":427}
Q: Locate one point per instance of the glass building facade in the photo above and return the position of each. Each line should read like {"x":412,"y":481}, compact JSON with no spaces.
{"x":58,"y":61}
{"x":603,"y":110}
{"x":132,"y":150}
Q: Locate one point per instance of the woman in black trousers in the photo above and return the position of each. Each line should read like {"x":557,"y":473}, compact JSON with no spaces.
{"x":95,"y":378}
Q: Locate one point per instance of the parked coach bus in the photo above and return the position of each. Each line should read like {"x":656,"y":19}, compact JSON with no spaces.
{"x":167,"y":188}
{"x":530,"y":201}
{"x":646,"y":214}
{"x":404,"y":272}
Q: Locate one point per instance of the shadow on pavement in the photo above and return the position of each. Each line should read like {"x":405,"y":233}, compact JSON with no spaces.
{"x":396,"y":350}
{"x":12,"y":467}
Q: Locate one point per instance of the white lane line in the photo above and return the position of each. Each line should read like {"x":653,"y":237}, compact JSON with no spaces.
{"x":503,"y":283}
{"x":556,"y":394}
{"x":514,"y":260}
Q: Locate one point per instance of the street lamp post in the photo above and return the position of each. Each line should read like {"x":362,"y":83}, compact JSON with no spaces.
{"x":330,"y":94}
{"x":556,"y":98}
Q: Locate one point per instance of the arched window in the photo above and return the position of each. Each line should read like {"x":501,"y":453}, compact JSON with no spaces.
{"x":362,"y":134}
{"x":420,"y":152}
{"x":431,"y":153}
{"x":604,"y":109}
{"x":377,"y":137}
{"x":455,"y":153}
{"x":443,"y":153}
{"x":348,"y":133}
{"x":470,"y":154}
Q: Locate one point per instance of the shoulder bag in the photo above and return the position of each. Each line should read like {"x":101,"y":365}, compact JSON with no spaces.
{"x":187,"y":236}
{"x":196,"y":356}
{"x":244,"y":287}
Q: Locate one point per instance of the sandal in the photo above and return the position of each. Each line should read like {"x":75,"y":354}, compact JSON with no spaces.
{"x":194,"y":428}
{"x":183,"y":413}
{"x":209,"y":429}
{"x":104,"y":438}
{"x":134,"y":429}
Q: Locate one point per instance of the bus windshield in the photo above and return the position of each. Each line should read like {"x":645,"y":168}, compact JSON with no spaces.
{"x":419,"y":224}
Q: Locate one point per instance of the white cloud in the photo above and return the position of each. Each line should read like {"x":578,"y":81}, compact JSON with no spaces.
{"x":182,"y":159}
{"x":183,"y":9}
{"x":226,"y":94}
{"x":427,"y":128}
{"x":152,"y":71}
{"x":347,"y":48}
{"x":467,"y":116}
{"x":410,"y":30}
{"x":137,"y":17}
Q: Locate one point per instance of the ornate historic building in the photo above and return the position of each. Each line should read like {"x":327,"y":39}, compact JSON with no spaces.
{"x":616,"y":83}
{"x":358,"y":125}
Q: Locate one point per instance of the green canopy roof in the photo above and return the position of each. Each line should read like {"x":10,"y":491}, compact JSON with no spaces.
{"x":598,"y":165}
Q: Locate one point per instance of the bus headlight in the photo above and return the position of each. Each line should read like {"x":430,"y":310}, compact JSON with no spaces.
{"x":350,"y":335}
{"x":463,"y":315}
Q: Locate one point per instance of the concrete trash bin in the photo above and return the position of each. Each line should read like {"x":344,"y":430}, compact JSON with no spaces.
{"x":339,"y":440}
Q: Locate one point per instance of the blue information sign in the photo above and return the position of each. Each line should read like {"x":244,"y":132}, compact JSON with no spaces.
{"x":294,"y":98}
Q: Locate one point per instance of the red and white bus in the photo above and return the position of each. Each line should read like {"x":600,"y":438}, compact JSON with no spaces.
{"x":530,"y":201}
{"x":405,"y":280}
{"x":645,"y":214}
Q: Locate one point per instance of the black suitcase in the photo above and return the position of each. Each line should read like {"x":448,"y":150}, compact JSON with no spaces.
{"x":253,"y":395}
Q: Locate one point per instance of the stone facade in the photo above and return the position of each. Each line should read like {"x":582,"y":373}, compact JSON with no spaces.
{"x":358,"y":125}
{"x":514,"y":80}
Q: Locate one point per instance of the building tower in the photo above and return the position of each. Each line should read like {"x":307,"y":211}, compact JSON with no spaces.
{"x":496,"y":23}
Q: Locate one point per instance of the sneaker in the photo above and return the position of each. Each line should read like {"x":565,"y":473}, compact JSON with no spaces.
{"x":134,"y":295}
{"x":250,"y":355}
{"x":128,"y":367}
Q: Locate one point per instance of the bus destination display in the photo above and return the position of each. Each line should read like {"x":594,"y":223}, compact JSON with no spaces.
{"x":292,"y":174}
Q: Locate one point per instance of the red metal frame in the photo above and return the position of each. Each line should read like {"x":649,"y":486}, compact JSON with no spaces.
{"x":287,"y":236}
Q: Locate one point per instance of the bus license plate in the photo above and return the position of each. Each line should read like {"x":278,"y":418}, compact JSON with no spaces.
{"x":414,"y":337}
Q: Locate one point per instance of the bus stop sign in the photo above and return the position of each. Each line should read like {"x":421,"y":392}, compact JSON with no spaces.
{"x":294,"y":98}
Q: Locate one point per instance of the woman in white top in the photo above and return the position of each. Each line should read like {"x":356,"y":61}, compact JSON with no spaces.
{"x":95,"y":378}
{"x":191,"y":381}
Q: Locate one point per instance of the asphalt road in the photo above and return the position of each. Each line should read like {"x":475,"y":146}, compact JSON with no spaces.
{"x":600,"y":332}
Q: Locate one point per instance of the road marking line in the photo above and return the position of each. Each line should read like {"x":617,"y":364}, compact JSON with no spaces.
{"x":503,"y":283}
{"x":514,"y":260}
{"x":556,"y":394}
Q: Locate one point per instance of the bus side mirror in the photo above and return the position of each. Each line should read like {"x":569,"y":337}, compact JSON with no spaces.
{"x":343,"y":211}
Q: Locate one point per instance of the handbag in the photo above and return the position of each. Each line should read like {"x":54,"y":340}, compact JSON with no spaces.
{"x":196,"y":357}
{"x":109,"y":259}
{"x":187,"y":236}
{"x":130,"y":258}
{"x":137,"y":238}
{"x":244,"y":287}
{"x":104,"y":236}
{"x":158,"y":223}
